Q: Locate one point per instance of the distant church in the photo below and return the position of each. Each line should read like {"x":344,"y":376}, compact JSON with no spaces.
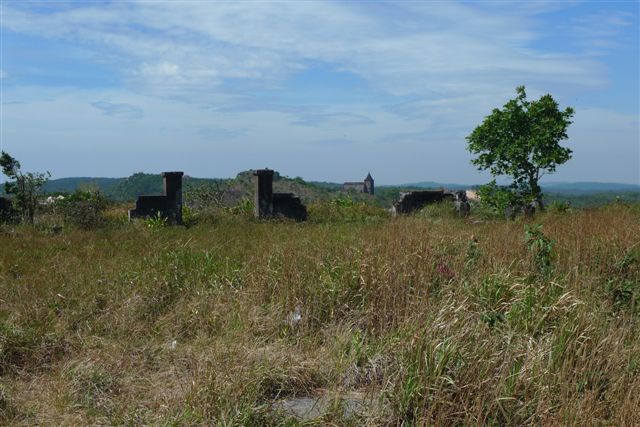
{"x":365,"y":186}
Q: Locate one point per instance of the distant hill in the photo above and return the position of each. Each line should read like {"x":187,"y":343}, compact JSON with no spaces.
{"x":127,"y":189}
{"x":433,"y":185}
{"x":558,"y":187}
{"x":71,"y":184}
{"x":589,"y":187}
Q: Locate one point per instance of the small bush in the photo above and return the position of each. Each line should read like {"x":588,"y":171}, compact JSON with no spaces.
{"x":540,"y":246}
{"x":189,"y":216}
{"x":243,"y":208}
{"x":559,"y":207}
{"x":83,"y":209}
{"x":440,"y":210}
{"x":498,"y":198}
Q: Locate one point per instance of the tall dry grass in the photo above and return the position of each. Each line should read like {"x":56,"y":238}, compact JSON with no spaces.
{"x":436,"y":320}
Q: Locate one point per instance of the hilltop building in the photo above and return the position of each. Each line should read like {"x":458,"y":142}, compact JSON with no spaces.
{"x":365,"y":186}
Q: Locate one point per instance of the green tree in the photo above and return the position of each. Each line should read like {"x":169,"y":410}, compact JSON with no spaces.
{"x":25,"y":186}
{"x":522,"y":141}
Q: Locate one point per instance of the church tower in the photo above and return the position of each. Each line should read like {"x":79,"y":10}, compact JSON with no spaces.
{"x":368,"y":184}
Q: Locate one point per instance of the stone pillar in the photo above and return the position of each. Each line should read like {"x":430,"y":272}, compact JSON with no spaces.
{"x":173,"y":192}
{"x":263,"y":197}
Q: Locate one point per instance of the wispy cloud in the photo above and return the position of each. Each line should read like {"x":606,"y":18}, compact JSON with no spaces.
{"x":463,"y":48}
{"x":121,"y":111}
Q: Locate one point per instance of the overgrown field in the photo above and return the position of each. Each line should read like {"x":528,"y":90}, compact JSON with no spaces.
{"x":428,"y":319}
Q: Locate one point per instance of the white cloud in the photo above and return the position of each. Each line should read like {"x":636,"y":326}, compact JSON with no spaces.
{"x":425,"y":48}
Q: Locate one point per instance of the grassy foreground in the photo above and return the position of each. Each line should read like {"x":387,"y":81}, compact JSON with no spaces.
{"x":438,"y":321}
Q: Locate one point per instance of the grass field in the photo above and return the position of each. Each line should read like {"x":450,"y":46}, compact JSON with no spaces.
{"x":427,"y":319}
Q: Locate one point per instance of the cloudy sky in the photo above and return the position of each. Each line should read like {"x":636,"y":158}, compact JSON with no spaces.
{"x":322,"y":90}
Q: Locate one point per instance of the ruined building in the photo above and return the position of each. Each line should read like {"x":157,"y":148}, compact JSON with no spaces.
{"x":268,"y":204}
{"x":6,"y":209}
{"x":365,"y":186}
{"x":167,"y":205}
{"x":415,"y":200}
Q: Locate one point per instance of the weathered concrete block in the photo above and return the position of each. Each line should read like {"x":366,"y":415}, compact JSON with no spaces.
{"x":268,"y":204}
{"x":289,"y":206}
{"x":415,"y":200}
{"x":6,"y":209}
{"x":461,"y":204}
{"x":462,"y":207}
{"x":263,"y":195}
{"x":173,"y":193}
{"x":167,"y":205}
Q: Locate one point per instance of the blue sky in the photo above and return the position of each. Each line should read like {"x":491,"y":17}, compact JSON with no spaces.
{"x":323,"y":90}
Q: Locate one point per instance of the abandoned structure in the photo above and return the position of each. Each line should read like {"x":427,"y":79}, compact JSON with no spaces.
{"x":365,"y":186}
{"x":268,"y":204}
{"x":528,"y":210}
{"x":167,"y":205}
{"x":461,"y":203}
{"x":6,"y":209}
{"x":414,"y":200}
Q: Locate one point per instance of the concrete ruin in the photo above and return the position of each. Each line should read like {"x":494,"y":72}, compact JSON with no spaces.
{"x":6,"y":209}
{"x":461,"y":203}
{"x":268,"y":204}
{"x":528,"y":210}
{"x":365,"y":186}
{"x":168,"y":205}
{"x":414,"y":200}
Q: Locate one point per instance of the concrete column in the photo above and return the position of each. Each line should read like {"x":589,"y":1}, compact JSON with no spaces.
{"x":263,"y":196}
{"x":173,"y":192}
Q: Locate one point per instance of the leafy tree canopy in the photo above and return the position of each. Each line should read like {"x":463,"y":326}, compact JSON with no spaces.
{"x":522,"y":141}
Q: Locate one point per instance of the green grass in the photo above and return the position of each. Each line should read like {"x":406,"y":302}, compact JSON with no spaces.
{"x":437,"y":320}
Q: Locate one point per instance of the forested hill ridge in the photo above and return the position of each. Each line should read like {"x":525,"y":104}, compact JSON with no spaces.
{"x":127,"y":189}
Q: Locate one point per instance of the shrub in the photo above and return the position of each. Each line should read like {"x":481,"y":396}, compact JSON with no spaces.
{"x":438,"y":210}
{"x":559,"y":207}
{"x":540,"y":246}
{"x":83,"y":209}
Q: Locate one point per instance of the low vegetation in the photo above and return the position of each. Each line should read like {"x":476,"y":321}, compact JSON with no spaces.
{"x":426,"y":319}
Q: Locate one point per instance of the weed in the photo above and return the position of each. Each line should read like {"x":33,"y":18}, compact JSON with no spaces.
{"x":156,"y":222}
{"x":541,"y":248}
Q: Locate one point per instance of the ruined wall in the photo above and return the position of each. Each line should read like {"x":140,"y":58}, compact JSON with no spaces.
{"x":6,"y":209}
{"x":263,"y":193}
{"x":289,"y":206}
{"x":415,"y":200}
{"x":167,"y":205}
{"x":268,"y":204}
{"x":149,"y":206}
